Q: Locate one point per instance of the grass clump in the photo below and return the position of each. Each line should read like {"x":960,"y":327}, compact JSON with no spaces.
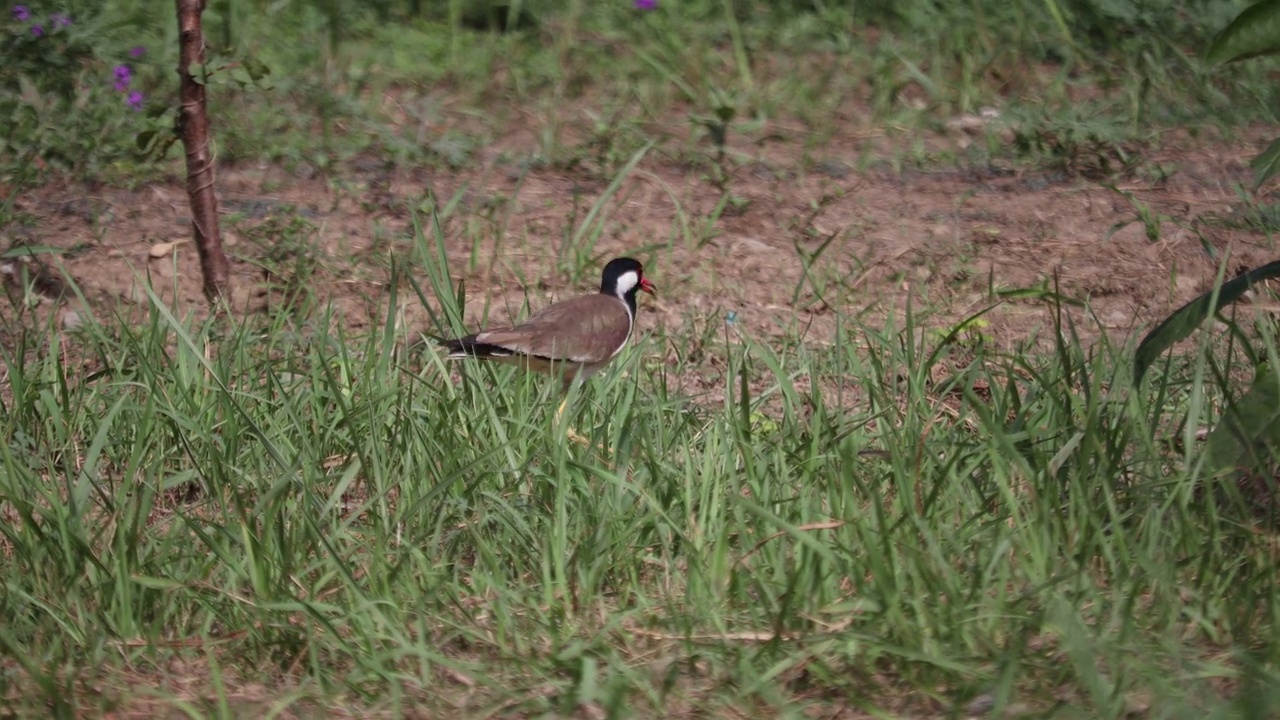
{"x":417,"y":85}
{"x":890,"y":523}
{"x":273,"y":515}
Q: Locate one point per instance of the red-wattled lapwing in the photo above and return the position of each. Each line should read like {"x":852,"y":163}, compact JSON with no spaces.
{"x":576,"y":337}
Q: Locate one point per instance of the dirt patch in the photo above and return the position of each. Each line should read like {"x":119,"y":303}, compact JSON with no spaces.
{"x":784,"y":243}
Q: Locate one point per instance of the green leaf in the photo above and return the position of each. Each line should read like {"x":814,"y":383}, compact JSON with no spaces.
{"x":30,"y":250}
{"x":1254,"y":32}
{"x":1266,"y":164}
{"x":259,"y":73}
{"x":196,"y":71}
{"x":156,"y":583}
{"x":1187,"y":318}
{"x":145,"y":138}
{"x":257,"y":69}
{"x":1249,"y":431}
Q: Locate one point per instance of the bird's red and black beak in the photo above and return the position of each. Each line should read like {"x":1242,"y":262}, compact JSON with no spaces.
{"x":647,"y":286}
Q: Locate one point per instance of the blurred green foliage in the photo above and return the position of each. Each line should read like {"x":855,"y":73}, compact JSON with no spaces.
{"x":352,"y":77}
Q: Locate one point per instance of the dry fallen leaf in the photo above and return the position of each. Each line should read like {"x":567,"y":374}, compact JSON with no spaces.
{"x":160,"y":250}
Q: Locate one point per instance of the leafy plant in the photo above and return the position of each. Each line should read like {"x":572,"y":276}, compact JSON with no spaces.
{"x":1247,"y":435}
{"x":1254,"y":33}
{"x":71,"y":101}
{"x":717,"y":99}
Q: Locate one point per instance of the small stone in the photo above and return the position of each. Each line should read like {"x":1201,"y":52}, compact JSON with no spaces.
{"x":1117,"y":319}
{"x":980,"y":705}
{"x":750,"y":244}
{"x":1137,"y":703}
{"x":1185,"y":285}
{"x":834,"y":169}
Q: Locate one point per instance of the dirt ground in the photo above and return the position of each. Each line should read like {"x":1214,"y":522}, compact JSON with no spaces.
{"x":947,"y":236}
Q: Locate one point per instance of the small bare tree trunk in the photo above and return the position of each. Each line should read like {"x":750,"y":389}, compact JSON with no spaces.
{"x":193,"y":129}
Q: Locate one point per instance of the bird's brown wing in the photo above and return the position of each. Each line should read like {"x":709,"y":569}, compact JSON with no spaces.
{"x":587,"y":329}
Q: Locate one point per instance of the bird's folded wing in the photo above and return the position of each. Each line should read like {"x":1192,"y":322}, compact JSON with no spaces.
{"x":588,"y":329}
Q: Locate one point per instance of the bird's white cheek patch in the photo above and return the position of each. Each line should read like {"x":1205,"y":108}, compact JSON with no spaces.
{"x":627,"y":281}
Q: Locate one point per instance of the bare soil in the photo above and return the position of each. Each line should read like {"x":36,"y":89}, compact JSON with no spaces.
{"x":948,"y":236}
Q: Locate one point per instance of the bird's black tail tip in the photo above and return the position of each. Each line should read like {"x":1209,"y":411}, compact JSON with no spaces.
{"x":468,"y":347}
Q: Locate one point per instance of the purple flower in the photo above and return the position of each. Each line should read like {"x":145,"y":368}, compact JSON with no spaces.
{"x":646,"y":4}
{"x":20,"y":13}
{"x":123,"y":76}
{"x":37,"y":30}
{"x":60,"y":20}
{"x":135,"y":100}
{"x":137,"y":51}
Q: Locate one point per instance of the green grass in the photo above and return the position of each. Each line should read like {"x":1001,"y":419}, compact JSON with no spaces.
{"x":594,"y":82}
{"x":266,"y":514}
{"x":228,"y":506}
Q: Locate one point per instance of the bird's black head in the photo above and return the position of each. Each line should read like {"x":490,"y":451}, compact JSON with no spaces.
{"x":622,"y":277}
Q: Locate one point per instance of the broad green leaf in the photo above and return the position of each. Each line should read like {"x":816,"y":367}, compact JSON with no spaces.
{"x":1254,"y":32}
{"x":145,"y":138}
{"x":1187,"y":318}
{"x":1266,"y":164}
{"x":257,"y":69}
{"x":1249,"y":431}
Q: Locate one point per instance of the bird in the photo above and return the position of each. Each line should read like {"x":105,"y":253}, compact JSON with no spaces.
{"x":577,"y":337}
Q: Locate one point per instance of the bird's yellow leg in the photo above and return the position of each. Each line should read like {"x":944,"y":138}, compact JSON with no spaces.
{"x":569,"y":432}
